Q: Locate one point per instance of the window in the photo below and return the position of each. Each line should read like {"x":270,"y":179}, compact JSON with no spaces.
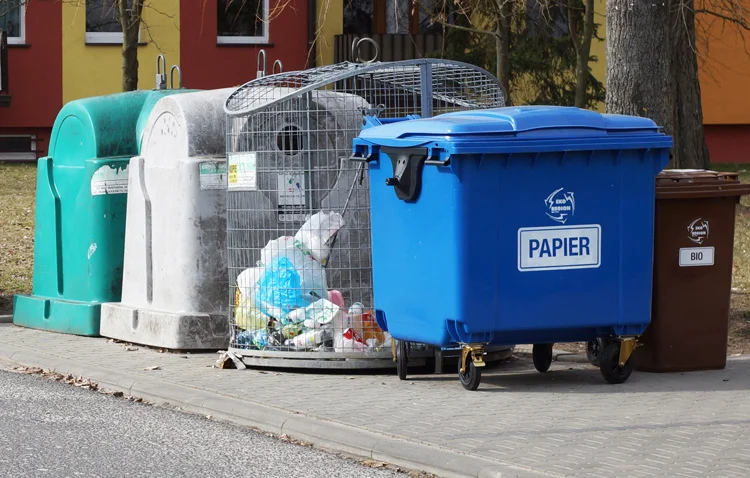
{"x":103,"y":21}
{"x":12,"y":20}
{"x":18,"y":148}
{"x":242,"y":21}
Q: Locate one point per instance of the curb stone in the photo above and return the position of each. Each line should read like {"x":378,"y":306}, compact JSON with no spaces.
{"x":324,"y":434}
{"x":6,"y":319}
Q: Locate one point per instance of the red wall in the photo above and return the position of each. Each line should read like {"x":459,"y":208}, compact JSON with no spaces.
{"x":728,"y":143}
{"x":35,"y":75}
{"x":206,"y":65}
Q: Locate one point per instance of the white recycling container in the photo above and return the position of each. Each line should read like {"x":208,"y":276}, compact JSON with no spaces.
{"x":174,"y":292}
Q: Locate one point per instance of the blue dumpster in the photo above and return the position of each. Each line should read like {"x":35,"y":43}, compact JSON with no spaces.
{"x":514,"y":225}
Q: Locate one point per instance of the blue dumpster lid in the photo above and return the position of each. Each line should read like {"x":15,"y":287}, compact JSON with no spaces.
{"x":487,"y":130}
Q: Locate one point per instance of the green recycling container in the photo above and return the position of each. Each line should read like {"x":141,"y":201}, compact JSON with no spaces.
{"x":81,"y":199}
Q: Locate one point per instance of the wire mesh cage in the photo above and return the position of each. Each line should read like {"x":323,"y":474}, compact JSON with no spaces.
{"x":298,"y":223}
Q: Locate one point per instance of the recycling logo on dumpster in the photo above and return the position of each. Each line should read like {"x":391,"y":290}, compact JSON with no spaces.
{"x":698,"y":231}
{"x":560,"y":205}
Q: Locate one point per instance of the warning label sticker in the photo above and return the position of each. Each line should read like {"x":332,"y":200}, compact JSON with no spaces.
{"x":213,"y":175}
{"x":242,"y":172}
{"x":291,"y":191}
{"x":109,"y":180}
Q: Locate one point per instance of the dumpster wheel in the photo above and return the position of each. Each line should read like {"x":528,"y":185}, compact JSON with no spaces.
{"x":594,"y":351}
{"x":542,"y":356}
{"x":614,"y":369}
{"x":470,"y":366}
{"x":402,"y":349}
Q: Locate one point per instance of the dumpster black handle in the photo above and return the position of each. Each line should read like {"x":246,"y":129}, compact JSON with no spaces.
{"x":438,"y":162}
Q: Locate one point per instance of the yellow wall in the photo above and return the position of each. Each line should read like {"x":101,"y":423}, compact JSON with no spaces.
{"x":330,"y":22}
{"x":724,"y":69}
{"x":93,"y":70}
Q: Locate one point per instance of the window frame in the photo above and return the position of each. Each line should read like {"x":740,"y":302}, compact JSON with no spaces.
{"x":109,"y":38}
{"x":21,"y":38}
{"x":248,"y":40}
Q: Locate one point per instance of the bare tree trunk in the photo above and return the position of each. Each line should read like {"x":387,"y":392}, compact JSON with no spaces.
{"x":130,"y":21}
{"x":583,"y":49}
{"x":638,"y":53}
{"x":502,"y":44}
{"x":690,"y":150}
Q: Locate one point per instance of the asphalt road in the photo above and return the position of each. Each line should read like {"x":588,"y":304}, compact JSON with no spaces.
{"x":50,"y":429}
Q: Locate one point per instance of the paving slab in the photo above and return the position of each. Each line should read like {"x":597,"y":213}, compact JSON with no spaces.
{"x":567,"y":422}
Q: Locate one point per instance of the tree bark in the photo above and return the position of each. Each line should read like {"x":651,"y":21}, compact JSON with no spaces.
{"x":130,"y":21}
{"x":502,"y":45}
{"x":690,"y":150}
{"x":638,"y":54}
{"x":583,"y":49}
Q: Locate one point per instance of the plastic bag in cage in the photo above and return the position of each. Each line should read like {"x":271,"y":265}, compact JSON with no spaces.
{"x":291,"y":280}
{"x":279,"y":288}
{"x":317,"y":233}
{"x":247,"y":315}
{"x":319,"y":314}
{"x":275,"y":248}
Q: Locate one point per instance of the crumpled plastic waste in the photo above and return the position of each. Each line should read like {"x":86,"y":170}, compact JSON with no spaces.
{"x":258,"y":339}
{"x":285,"y":298}
{"x":312,"y":277}
{"x":319,"y":314}
{"x":309,"y":339}
{"x":246,"y":315}
{"x":279,"y":288}
{"x":317,"y":234}
{"x":349,"y":341}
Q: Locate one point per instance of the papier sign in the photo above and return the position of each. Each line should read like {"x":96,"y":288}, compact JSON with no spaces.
{"x":561,"y":247}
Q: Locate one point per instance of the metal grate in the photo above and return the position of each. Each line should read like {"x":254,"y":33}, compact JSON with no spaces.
{"x":291,"y":189}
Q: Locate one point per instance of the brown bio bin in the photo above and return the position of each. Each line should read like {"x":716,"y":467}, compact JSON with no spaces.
{"x":693,"y":250}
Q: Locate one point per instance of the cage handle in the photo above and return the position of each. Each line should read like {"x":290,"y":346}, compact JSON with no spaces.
{"x":261,"y":73}
{"x":357,"y":45}
{"x":281,"y":67}
{"x":171,"y":76}
{"x":161,"y":72}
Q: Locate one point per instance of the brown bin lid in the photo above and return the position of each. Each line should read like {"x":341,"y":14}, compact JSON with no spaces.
{"x":698,"y":183}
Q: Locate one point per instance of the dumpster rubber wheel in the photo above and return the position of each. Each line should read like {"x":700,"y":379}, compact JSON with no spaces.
{"x":542,"y":355}
{"x":594,"y":351}
{"x":401,"y":359}
{"x":472,"y":376}
{"x":609,"y":365}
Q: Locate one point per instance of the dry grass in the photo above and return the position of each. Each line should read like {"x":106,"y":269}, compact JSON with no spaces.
{"x":17,"y":192}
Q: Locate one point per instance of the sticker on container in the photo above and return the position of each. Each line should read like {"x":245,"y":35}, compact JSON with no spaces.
{"x":291,"y":191}
{"x":698,"y":230}
{"x":242,"y":171}
{"x":109,"y":180}
{"x":560,"y":205}
{"x":696,"y":256}
{"x":559,"y":248}
{"x":213,"y":175}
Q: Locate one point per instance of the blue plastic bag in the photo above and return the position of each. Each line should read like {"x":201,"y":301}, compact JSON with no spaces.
{"x":279,"y":289}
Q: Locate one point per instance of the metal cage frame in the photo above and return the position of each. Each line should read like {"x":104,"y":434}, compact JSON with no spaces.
{"x":411,"y":87}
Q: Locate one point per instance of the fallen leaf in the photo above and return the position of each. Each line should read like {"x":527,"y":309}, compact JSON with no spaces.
{"x":130,"y":349}
{"x":154,"y":367}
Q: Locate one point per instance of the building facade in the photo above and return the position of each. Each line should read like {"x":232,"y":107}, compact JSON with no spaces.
{"x":59,"y":51}
{"x":34,"y":86}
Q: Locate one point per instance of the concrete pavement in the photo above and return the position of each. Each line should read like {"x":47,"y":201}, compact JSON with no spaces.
{"x":565,"y":423}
